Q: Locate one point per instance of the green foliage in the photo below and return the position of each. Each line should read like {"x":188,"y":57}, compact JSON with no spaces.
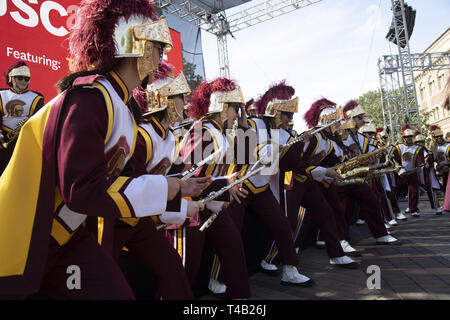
{"x":192,"y":78}
{"x":371,"y":103}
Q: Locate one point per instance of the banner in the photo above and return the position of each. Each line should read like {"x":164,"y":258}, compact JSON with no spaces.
{"x":36,"y":31}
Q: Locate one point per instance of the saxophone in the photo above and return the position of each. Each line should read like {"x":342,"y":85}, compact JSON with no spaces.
{"x":352,"y":170}
{"x":13,"y":134}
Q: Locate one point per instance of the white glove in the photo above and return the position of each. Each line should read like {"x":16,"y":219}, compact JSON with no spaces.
{"x":266,"y":154}
{"x":1,"y":136}
{"x":215,"y":206}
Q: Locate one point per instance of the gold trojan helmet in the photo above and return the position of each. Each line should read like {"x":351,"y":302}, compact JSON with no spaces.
{"x":277,"y":99}
{"x":368,"y":128}
{"x":135,"y":37}
{"x":219,"y":101}
{"x":161,"y":93}
{"x":351,"y":110}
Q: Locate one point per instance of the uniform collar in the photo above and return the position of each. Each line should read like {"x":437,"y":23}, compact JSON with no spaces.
{"x":158,"y":127}
{"x":215,"y":124}
{"x":12,"y":89}
{"x":119,"y":86}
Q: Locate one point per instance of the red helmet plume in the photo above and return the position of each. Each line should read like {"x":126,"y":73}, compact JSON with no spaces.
{"x":378,"y":130}
{"x":312,"y":116}
{"x":348,"y":107}
{"x":91,"y":41}
{"x":416,"y":133}
{"x":434,"y":127}
{"x":406,"y":126}
{"x":200,"y":97}
{"x":140,"y":95}
{"x":163,"y":71}
{"x":277,"y":91}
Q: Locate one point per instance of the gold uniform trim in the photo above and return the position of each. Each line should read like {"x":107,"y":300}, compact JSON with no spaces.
{"x":34,"y":104}
{"x":148,"y":143}
{"x":109,"y":109}
{"x":212,"y":166}
{"x":121,"y":84}
{"x":113,"y":192}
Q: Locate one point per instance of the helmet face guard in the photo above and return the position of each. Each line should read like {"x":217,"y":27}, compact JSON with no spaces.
{"x":137,"y":38}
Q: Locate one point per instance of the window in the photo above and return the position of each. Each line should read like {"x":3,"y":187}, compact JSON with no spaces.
{"x":441,"y":81}
{"x":431,"y":86}
{"x":422,"y":92}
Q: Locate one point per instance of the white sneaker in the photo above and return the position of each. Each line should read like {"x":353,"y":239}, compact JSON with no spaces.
{"x":292,"y":277}
{"x":348,"y":249}
{"x":401,"y":216}
{"x":360,"y":222}
{"x":344,"y":262}
{"x":407,"y":210}
{"x":415,"y":214}
{"x":267,"y":266}
{"x":387,"y":239}
{"x":387,"y":225}
{"x":393,"y":222}
{"x":297,"y":250}
{"x":216,"y":287}
{"x":439,"y":211}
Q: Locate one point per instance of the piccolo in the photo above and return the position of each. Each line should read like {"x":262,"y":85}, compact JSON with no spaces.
{"x":190,"y":172}
{"x":215,"y":194}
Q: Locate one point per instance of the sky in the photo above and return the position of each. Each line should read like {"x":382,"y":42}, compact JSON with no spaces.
{"x":329,"y":49}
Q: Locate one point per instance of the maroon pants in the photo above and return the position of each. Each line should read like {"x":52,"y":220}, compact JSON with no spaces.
{"x":368,"y":203}
{"x":101,"y":278}
{"x":378,"y":189}
{"x":150,"y":247}
{"x":432,"y":196}
{"x":268,"y":210}
{"x":318,"y":211}
{"x":226,"y":242}
{"x":412,"y":180}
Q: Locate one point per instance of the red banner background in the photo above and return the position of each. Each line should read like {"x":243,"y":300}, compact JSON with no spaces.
{"x":36,"y":31}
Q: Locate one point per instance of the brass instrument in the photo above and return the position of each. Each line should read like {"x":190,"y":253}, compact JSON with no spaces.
{"x":364,"y":160}
{"x":13,"y":134}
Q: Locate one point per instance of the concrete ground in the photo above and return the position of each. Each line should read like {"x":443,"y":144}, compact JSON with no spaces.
{"x":418,"y":269}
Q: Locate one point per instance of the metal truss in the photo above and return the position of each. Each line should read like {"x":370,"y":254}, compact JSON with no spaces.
{"x":392,"y":92}
{"x":400,"y":86}
{"x":214,"y":20}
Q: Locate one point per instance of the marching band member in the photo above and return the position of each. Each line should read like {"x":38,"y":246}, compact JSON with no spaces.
{"x":379,"y":184}
{"x":411,"y":157}
{"x":441,"y":152}
{"x":260,"y":199}
{"x":383,"y":139}
{"x":156,"y":149}
{"x":79,"y":142}
{"x":427,"y":174}
{"x":362,"y":193}
{"x":215,"y":106}
{"x":17,"y":104}
{"x":303,"y":196}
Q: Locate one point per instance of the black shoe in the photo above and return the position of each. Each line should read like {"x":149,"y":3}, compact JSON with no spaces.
{"x":353,"y":254}
{"x":272,"y":273}
{"x":305,"y":284}
{"x":395,"y":243}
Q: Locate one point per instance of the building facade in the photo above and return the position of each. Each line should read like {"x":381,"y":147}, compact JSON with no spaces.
{"x":431,"y":87}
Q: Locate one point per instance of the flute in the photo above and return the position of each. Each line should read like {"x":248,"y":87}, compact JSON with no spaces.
{"x":190,"y":172}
